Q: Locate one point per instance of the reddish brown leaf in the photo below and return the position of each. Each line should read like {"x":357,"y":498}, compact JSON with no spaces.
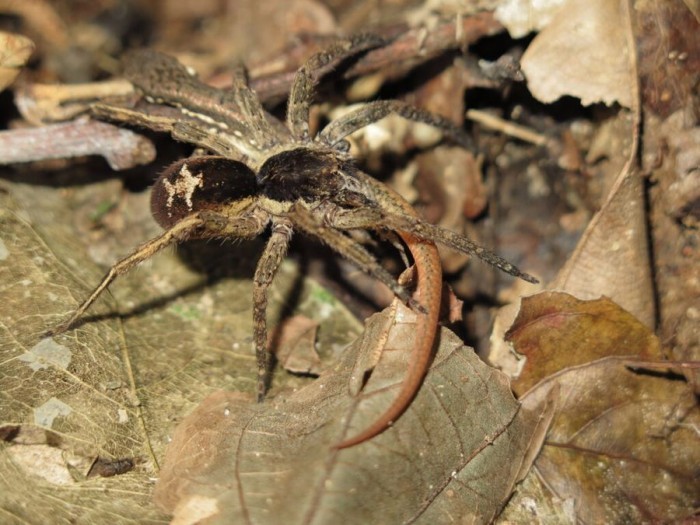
{"x":555,"y":331}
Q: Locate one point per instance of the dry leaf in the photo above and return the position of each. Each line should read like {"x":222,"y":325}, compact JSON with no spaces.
{"x":555,"y":331}
{"x":612,"y":256}
{"x":15,"y":50}
{"x":521,"y":17}
{"x":463,"y":438}
{"x":63,"y":401}
{"x":294,"y":343}
{"x":597,"y":34}
{"x":623,"y":445}
{"x":115,"y":387}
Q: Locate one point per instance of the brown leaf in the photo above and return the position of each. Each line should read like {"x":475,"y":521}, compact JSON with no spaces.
{"x":15,"y":50}
{"x":623,"y":445}
{"x":555,"y":331}
{"x":149,"y":351}
{"x":463,"y":438}
{"x":294,"y":345}
{"x":597,"y":34}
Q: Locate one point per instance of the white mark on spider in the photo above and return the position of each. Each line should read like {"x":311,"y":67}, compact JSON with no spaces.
{"x":204,"y":118}
{"x":237,"y":133}
{"x":184,"y":187}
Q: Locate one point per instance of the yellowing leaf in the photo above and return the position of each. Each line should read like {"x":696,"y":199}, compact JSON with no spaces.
{"x":555,"y":331}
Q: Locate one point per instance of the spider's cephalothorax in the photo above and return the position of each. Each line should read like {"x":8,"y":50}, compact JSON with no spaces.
{"x":264,"y":174}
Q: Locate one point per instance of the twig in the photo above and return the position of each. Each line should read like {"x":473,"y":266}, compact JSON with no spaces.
{"x":514,"y":130}
{"x":120,"y":147}
{"x":411,"y":47}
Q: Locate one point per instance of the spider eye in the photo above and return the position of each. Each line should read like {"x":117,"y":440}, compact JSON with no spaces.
{"x":199,"y":183}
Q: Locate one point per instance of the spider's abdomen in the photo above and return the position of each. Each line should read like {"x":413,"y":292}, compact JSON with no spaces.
{"x":199,"y":184}
{"x":300,"y":173}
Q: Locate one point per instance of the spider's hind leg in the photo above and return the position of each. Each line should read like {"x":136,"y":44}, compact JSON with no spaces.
{"x":302,"y":91}
{"x":179,"y":232}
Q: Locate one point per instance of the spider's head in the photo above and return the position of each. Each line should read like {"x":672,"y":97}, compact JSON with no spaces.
{"x":200,"y":183}
{"x":301,"y":173}
{"x":312,"y":175}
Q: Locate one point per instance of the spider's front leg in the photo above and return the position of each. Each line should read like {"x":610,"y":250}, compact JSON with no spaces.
{"x":269,"y":263}
{"x":348,"y":248}
{"x":302,"y":90}
{"x":390,"y":216}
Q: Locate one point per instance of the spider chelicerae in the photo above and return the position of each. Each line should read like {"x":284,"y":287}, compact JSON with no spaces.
{"x":264,"y":174}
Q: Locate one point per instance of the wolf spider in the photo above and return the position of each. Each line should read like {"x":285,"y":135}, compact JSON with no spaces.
{"x":267,"y":174}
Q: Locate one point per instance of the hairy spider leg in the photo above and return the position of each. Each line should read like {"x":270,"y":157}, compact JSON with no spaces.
{"x":208,"y":110}
{"x":192,"y":132}
{"x":266,"y":130}
{"x":301,"y":93}
{"x":269,"y":263}
{"x":184,"y":229}
{"x":125,"y":115}
{"x":371,"y":112}
{"x":367,"y":218}
{"x":351,"y":250}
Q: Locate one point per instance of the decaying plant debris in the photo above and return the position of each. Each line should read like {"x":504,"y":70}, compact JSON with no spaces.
{"x":603,"y":423}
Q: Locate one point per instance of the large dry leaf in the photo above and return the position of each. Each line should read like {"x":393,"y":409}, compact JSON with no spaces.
{"x":624,"y":445}
{"x":596,"y":33}
{"x":115,"y":387}
{"x":457,"y":451}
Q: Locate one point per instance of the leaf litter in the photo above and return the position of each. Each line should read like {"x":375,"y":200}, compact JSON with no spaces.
{"x":623,"y":439}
